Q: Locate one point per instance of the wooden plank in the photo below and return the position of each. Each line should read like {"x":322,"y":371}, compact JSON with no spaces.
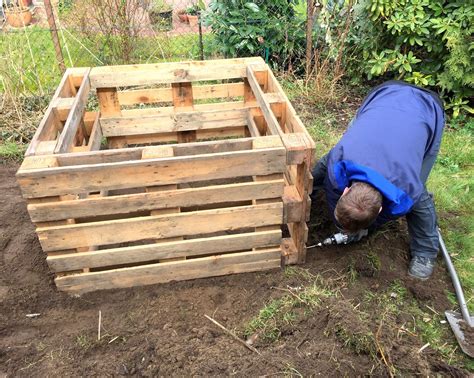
{"x":96,"y":135}
{"x":289,"y":251}
{"x":62,"y":106}
{"x":166,"y":250}
{"x":144,"y":96}
{"x":48,"y":126}
{"x":182,"y":121}
{"x":296,"y":145}
{"x":151,"y":138}
{"x":108,"y":102}
{"x":156,"y":95}
{"x":253,"y":129}
{"x":172,"y":271}
{"x":164,"y":110}
{"x":174,"y":72}
{"x":38,"y":162}
{"x":186,"y":197}
{"x":183,"y":102}
{"x":135,"y":153}
{"x":74,"y":119}
{"x":46,"y":147}
{"x":292,"y":205}
{"x":274,"y":97}
{"x":130,"y":174}
{"x":202,"y":134}
{"x":293,"y":122}
{"x":158,"y":227}
{"x":272,"y":122}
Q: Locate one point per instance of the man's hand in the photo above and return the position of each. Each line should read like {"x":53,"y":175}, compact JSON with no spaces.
{"x":356,"y":236}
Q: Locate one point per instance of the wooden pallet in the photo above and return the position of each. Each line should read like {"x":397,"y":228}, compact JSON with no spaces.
{"x":185,"y":170}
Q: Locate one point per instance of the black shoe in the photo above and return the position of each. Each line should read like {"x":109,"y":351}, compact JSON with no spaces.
{"x":421,"y":267}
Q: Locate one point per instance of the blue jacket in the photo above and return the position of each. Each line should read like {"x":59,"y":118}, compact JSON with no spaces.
{"x":397,"y":126}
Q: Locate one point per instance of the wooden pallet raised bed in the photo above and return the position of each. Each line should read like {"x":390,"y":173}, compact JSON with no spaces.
{"x":185,"y":170}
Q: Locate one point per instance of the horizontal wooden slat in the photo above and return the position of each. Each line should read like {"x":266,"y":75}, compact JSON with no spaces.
{"x":165,"y":250}
{"x":134,"y":153}
{"x":164,"y":171}
{"x":130,"y":203}
{"x":173,"y":72}
{"x":183,"y":121}
{"x":156,"y":95}
{"x":62,"y":106}
{"x":144,"y":96}
{"x":159,"y":226}
{"x":201,"y":135}
{"x":163,"y":110}
{"x":172,"y":271}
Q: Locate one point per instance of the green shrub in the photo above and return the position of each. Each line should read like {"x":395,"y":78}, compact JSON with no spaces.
{"x":428,"y":43}
{"x":271,"y":29}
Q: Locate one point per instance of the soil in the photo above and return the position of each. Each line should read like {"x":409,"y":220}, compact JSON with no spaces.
{"x":468,"y":332}
{"x":161,"y":329}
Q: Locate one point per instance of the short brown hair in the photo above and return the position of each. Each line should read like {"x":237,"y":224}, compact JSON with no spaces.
{"x":359,"y":207}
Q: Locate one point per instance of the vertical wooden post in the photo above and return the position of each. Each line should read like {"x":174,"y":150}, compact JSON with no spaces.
{"x":201,"y":46}
{"x":183,"y":102}
{"x":110,"y":107}
{"x":309,"y":35}
{"x":54,"y":35}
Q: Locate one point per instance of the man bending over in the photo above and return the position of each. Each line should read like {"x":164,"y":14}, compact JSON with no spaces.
{"x":378,"y":170}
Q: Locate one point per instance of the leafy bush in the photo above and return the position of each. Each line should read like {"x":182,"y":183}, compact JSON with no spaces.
{"x":426,"y":42}
{"x":268,"y":28}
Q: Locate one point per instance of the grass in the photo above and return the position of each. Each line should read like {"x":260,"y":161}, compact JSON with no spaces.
{"x":12,"y":151}
{"x":452,"y":182}
{"x":33,"y":68}
{"x":280,"y":313}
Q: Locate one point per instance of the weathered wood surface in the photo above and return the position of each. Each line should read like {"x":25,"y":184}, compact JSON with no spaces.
{"x":129,"y":174}
{"x":158,"y":227}
{"x":173,"y":72}
{"x":182,"y":121}
{"x":131,"y":203}
{"x":165,"y":250}
{"x":172,"y":271}
{"x":75,"y":117}
{"x":49,"y":124}
{"x":200,"y":92}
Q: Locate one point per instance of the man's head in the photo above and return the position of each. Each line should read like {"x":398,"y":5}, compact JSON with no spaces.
{"x":358,"y":207}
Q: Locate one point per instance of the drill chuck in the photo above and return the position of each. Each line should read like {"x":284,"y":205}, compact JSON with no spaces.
{"x":338,"y":238}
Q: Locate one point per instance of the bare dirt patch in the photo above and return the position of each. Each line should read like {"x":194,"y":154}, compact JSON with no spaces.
{"x":161,"y":329}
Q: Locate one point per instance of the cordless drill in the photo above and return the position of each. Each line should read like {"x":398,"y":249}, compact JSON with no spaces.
{"x":342,"y":238}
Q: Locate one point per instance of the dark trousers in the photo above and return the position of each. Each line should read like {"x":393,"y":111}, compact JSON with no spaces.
{"x":421,"y":220}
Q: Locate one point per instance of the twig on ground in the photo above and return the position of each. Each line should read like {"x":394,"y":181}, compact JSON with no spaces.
{"x":423,"y":347}
{"x":381,"y":351}
{"x":233,"y":335}
{"x":115,"y":338}
{"x":292,"y":293}
{"x":100,"y":323}
{"x":433,"y":310}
